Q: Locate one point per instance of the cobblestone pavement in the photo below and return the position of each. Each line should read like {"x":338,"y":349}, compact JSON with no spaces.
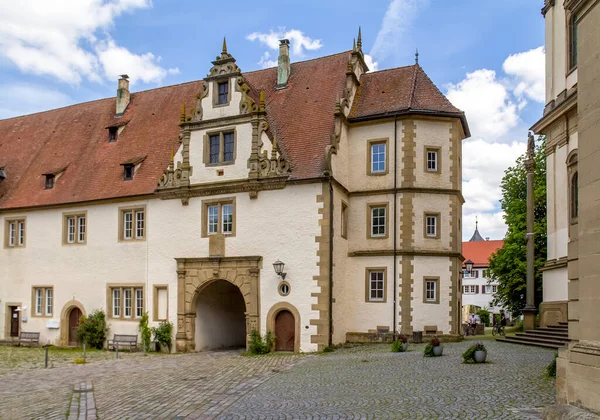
{"x":361,"y":382}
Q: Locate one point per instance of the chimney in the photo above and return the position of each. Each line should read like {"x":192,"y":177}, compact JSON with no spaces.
{"x":123,"y":94}
{"x":283,"y":66}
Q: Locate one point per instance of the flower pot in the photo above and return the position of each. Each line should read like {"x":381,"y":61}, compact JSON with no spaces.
{"x":404,"y":346}
{"x":480,"y":356}
{"x":437,"y":350}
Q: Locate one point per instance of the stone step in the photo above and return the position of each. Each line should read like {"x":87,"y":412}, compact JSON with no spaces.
{"x":538,"y":334}
{"x":566,"y":324}
{"x":545,"y":332}
{"x":558,"y":327}
{"x":555,"y":344}
{"x":550,"y":330}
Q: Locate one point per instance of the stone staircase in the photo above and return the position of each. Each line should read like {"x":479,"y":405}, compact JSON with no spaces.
{"x":552,"y":336}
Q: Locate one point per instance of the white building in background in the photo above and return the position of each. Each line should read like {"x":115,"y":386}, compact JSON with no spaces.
{"x":477,"y":289}
{"x":177,"y":201}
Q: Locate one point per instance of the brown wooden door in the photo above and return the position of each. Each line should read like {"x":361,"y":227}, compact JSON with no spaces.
{"x":73,"y":322}
{"x":285,"y":336}
{"x":14,"y":321}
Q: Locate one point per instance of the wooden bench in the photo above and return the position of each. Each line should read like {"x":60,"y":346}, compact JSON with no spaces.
{"x":29,"y":338}
{"x":124,"y":341}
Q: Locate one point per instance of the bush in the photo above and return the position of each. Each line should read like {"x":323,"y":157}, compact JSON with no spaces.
{"x":397,"y":346}
{"x":551,"y":369}
{"x":428,"y":352}
{"x":260,"y":345}
{"x":484,"y":316}
{"x":92,"y":329}
{"x":162,"y":334}
{"x":469,"y":355}
{"x":145,"y":331}
{"x":328,"y":349}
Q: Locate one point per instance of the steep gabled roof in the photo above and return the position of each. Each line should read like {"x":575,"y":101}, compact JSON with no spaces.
{"x":479,"y":252}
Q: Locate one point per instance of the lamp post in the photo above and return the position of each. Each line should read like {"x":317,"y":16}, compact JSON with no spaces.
{"x":529,"y":311}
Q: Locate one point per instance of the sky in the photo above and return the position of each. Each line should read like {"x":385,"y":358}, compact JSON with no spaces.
{"x":486,"y":56}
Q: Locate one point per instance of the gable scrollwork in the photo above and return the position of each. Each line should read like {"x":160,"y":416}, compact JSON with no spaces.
{"x":198,"y":112}
{"x":247,"y":104}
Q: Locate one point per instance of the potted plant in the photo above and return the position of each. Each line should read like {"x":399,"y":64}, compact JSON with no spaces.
{"x":433,"y":349}
{"x":400,"y":344}
{"x":477,"y":353}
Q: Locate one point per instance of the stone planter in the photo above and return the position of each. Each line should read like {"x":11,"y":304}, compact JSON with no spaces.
{"x":404,"y":346}
{"x":480,"y":356}
{"x":438,"y":350}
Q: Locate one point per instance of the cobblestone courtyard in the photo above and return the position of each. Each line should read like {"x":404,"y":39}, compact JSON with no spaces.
{"x":360,"y":382}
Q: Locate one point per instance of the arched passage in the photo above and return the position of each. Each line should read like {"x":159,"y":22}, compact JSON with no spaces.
{"x":220,"y":317}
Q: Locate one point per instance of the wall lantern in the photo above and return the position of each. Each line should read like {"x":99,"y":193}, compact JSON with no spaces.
{"x":469,"y":265}
{"x":278,"y":266}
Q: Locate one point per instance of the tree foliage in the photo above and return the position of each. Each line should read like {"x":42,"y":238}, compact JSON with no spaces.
{"x":508,"y":266}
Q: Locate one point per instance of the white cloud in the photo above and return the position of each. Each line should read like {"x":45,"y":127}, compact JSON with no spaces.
{"x":21,"y":99}
{"x":527,"y":71}
{"x":299,"y":43}
{"x":398,"y":20}
{"x":487,"y":103}
{"x":491,"y":225}
{"x":371,"y":63}
{"x":60,"y":38}
{"x":266,"y":62}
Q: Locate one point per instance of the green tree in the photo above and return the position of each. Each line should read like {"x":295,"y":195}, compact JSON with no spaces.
{"x":508,"y":266}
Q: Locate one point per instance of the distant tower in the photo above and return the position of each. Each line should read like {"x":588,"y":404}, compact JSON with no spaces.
{"x":476,"y":236}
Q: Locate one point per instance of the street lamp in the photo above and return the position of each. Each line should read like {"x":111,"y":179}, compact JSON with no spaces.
{"x":469,"y":265}
{"x":278,"y":266}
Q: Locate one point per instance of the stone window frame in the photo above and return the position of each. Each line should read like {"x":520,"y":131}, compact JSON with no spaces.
{"x":134,"y":210}
{"x":370,"y":144}
{"x":344,"y":220}
{"x":438,"y":161}
{"x":219,"y":202}
{"x":573,"y":174}
{"x":122,"y":286}
{"x":436,"y":281}
{"x":368,"y":271}
{"x":44,"y":313}
{"x":573,"y":20}
{"x":155,"y":303}
{"x":437,"y":225}
{"x":65,"y":230}
{"x":206,"y":144}
{"x":17,"y":220}
{"x":215,"y":86}
{"x":371,"y":206}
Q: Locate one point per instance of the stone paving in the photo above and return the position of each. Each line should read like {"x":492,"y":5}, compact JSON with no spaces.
{"x":355,"y":383}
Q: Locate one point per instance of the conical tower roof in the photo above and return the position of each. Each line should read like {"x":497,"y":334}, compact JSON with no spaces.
{"x":476,"y":235}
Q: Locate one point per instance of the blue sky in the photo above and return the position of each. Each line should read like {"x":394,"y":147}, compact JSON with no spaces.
{"x":484,"y":55}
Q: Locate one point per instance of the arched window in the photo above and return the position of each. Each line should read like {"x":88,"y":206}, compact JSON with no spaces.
{"x":574,"y":196}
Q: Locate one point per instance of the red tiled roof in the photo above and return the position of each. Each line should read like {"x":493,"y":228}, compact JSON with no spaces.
{"x":479,"y":252}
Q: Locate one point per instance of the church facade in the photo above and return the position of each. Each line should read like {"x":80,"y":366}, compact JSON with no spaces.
{"x":314,"y":200}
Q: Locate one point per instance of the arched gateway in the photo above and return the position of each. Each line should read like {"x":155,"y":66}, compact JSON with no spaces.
{"x":217,"y":289}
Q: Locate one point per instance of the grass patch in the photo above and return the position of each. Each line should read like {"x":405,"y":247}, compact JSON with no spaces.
{"x":79,"y":361}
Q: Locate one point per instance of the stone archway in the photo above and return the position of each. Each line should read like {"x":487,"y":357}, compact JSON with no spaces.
{"x":64,"y":320}
{"x":195,"y":274}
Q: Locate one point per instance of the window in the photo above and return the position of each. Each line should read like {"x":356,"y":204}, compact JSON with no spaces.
{"x":494,"y":288}
{"x":471,"y":290}
{"x":220,"y":148}
{"x":488,"y":289}
{"x":377,"y":214}
{"x":132,"y":224}
{"x":431,"y":226}
{"x":75,"y":229}
{"x":223,"y":93}
{"x":432,"y":163}
{"x":126,"y":301}
{"x":49,"y":181}
{"x":161,"y":302}
{"x":43,"y":301}
{"x":113,"y":132}
{"x":128,"y":171}
{"x":377,"y":157}
{"x":573,"y":24}
{"x":14,"y":233}
{"x":430,"y":292}
{"x":376,"y":283}
{"x":218,"y":217}
{"x":344,"y":220}
{"x":574,"y":196}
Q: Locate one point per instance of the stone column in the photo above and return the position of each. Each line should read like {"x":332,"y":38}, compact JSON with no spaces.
{"x":530,"y":311}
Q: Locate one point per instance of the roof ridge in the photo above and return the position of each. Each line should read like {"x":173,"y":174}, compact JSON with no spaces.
{"x":390,"y":69}
{"x":413,"y":86}
{"x":298,"y":62}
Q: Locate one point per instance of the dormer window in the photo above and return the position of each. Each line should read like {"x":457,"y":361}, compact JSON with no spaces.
{"x":113,"y":133}
{"x":128,"y":170}
{"x":223,"y":92}
{"x":50,"y":181}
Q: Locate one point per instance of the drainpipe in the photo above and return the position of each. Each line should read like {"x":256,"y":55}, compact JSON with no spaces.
{"x":330,"y":339}
{"x":395,"y":221}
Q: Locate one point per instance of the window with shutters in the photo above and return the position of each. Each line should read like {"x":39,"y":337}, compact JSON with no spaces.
{"x":14,"y":232}
{"x":126,"y":301}
{"x":220,"y":148}
{"x":218,"y":217}
{"x":132,"y":223}
{"x":75,"y":228}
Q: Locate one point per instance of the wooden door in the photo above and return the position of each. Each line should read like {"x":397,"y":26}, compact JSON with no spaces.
{"x":14,"y":321}
{"x":73,"y":322}
{"x":285,"y":336}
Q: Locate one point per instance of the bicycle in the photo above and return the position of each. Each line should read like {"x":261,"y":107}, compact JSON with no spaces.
{"x":498,"y":329}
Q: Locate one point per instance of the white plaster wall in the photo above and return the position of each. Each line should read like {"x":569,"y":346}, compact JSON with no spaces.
{"x":359,"y":223}
{"x":555,"y":285}
{"x":430,"y":313}
{"x":433,"y":134}
{"x":267,"y":145}
{"x":431,"y":203}
{"x":482,"y":300}
{"x":203,"y":174}
{"x":341,"y":272}
{"x":209,"y":111}
{"x":340,"y":160}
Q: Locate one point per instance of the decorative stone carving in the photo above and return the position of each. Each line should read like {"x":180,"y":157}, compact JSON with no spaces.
{"x":274,"y":165}
{"x":180,"y":176}
{"x":197,"y":114}
{"x":247,"y":104}
{"x":224,"y":64}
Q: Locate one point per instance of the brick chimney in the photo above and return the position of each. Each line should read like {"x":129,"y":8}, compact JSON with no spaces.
{"x":284,"y":66}
{"x":123,"y":94}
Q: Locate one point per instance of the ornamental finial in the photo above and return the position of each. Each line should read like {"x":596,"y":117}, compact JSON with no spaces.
{"x":359,"y":41}
{"x":224,"y":46}
{"x":417,"y":56}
